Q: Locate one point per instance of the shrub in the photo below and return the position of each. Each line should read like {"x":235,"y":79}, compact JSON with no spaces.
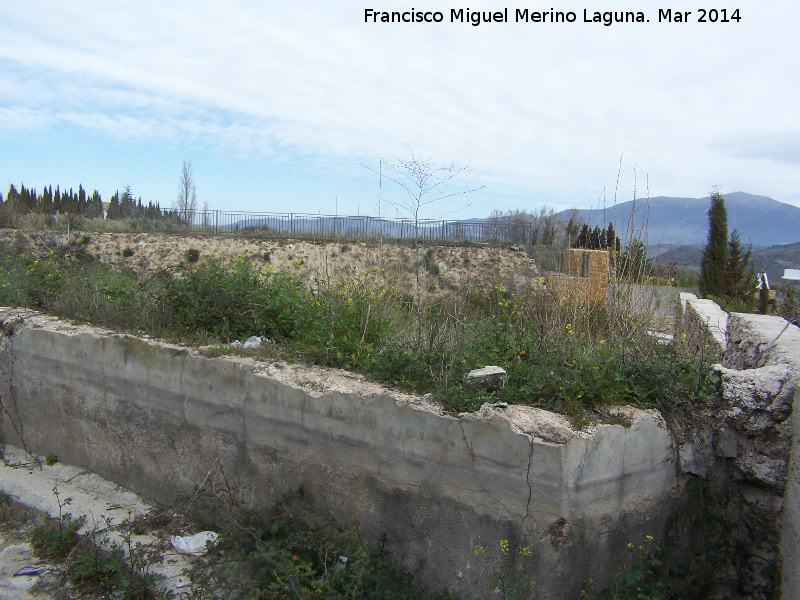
{"x":267,"y":553}
{"x":559,"y":354}
{"x":239,"y":300}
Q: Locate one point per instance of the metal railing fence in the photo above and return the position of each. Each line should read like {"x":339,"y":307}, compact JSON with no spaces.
{"x":362,"y":228}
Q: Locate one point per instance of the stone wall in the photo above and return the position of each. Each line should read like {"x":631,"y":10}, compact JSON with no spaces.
{"x":585,"y":277}
{"x":155,"y":417}
{"x":751,"y":444}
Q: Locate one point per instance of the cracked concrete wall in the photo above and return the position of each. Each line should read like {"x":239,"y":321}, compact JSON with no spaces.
{"x":154,"y":418}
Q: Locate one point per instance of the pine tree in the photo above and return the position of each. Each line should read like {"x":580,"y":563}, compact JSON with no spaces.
{"x":715,"y":253}
{"x":127,"y":205}
{"x":739,"y":282}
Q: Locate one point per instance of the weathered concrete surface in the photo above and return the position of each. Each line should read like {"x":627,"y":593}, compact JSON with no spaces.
{"x":154,"y":417}
{"x":658,"y":300}
{"x":769,"y":349}
{"x":746,"y":444}
{"x":106,"y":507}
{"x":704,"y":325}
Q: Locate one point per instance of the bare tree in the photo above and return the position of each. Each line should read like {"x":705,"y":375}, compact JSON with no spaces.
{"x":423,"y":183}
{"x":206,"y":215}
{"x":186,"y":204}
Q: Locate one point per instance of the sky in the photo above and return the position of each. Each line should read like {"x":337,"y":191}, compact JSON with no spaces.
{"x":296,"y":107}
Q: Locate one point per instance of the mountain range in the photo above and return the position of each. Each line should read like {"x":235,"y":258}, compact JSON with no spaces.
{"x":671,"y":222}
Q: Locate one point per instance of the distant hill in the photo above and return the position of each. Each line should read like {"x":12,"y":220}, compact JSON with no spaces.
{"x":674,"y":222}
{"x":684,"y":256}
{"x":773,"y":260}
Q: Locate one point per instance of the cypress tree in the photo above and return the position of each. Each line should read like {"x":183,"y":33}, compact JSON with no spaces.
{"x":113,"y":207}
{"x":94,"y":206}
{"x":571,"y":231}
{"x":57,"y":200}
{"x":47,"y":200}
{"x":715,"y":253}
{"x":594,"y":239}
{"x":583,"y":237}
{"x":739,"y":279}
{"x":612,"y":241}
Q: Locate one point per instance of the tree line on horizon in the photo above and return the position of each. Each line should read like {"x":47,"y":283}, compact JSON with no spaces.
{"x":24,"y":200}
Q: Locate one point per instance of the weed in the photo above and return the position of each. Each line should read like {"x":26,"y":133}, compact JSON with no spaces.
{"x":104,"y":564}
{"x":192,"y":255}
{"x":287,"y":551}
{"x":639,"y":582}
{"x":51,"y":460}
{"x":5,"y":506}
{"x":127,"y":252}
{"x":510,"y":576}
{"x":56,"y":539}
{"x":559,"y":354}
{"x":429,"y":263}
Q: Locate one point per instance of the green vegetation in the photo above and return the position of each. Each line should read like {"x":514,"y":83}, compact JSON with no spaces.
{"x":511,"y":579}
{"x":289,"y":552}
{"x":717,"y":544}
{"x":726,"y":273}
{"x":715,"y":254}
{"x":192,"y":255}
{"x":597,"y":239}
{"x":75,"y":206}
{"x":739,"y":280}
{"x":104,"y":565}
{"x":559,"y":354}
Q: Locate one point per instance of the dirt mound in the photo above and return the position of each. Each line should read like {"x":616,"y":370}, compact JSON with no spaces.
{"x":441,"y":268}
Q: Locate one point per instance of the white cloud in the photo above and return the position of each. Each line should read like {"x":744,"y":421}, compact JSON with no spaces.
{"x":545,"y":107}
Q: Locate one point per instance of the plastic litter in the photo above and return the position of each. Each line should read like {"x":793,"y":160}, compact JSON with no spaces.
{"x":194,"y":545}
{"x":252,"y":343}
{"x":30,"y":571}
{"x":340,"y":567}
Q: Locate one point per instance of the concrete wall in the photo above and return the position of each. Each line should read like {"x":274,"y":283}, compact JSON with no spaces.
{"x":754,"y":442}
{"x":760,"y":344}
{"x":703,"y":326}
{"x":658,"y":300}
{"x":154,"y":418}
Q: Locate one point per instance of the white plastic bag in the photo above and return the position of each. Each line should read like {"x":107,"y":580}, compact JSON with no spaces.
{"x":195,"y":545}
